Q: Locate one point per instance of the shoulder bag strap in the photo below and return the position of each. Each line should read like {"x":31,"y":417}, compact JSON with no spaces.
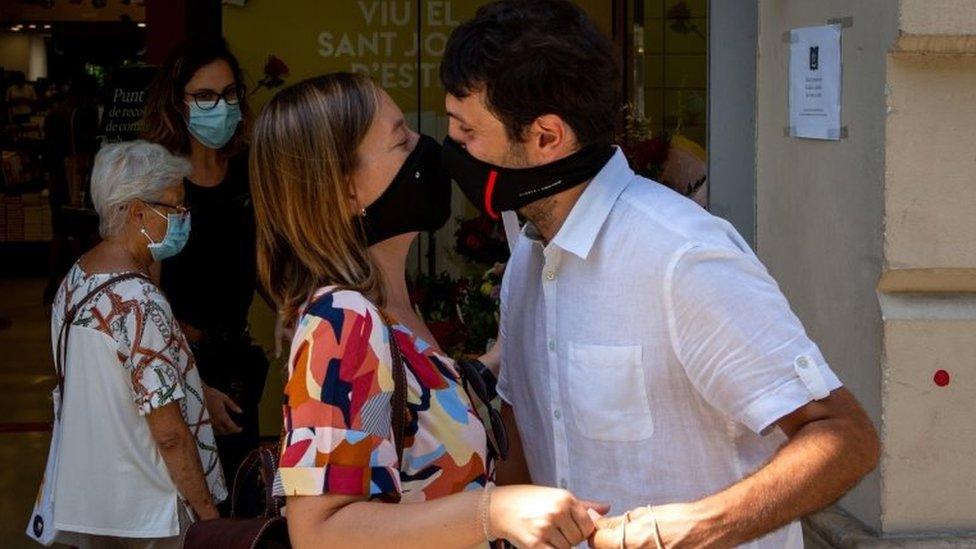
{"x":60,"y":357}
{"x":399,"y":402}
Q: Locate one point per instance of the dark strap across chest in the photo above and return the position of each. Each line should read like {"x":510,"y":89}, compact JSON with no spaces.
{"x":60,"y":356}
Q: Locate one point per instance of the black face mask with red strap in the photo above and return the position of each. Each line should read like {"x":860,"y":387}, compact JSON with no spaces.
{"x":494,"y":189}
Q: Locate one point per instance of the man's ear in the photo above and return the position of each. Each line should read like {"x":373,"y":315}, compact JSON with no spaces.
{"x":552,"y":137}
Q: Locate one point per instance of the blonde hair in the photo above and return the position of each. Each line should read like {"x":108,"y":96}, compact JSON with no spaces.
{"x":303,"y":155}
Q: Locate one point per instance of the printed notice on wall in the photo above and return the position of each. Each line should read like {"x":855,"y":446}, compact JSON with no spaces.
{"x":815,"y":82}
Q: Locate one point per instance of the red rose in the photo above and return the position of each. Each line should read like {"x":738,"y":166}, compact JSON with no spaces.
{"x":275,"y":67}
{"x":679,"y":11}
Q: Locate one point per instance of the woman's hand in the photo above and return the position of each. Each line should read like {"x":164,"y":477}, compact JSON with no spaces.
{"x":217,"y":404}
{"x":674,"y":525}
{"x":536,"y":516}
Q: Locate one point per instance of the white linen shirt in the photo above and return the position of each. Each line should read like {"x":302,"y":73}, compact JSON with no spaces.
{"x":647,"y":353}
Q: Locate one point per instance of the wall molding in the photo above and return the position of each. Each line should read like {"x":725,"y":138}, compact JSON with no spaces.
{"x":938,"y":280}
{"x":938,"y":44}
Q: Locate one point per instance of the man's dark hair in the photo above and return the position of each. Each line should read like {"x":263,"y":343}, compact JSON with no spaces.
{"x":536,"y":57}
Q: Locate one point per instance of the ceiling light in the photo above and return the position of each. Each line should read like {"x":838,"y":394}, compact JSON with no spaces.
{"x":32,"y":26}
{"x":141,"y":25}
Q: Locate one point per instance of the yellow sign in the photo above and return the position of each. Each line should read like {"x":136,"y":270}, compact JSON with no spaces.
{"x":380,"y":38}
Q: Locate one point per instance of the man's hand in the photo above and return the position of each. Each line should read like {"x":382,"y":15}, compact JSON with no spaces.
{"x":831,"y":445}
{"x":675,"y":522}
{"x":217,"y":404}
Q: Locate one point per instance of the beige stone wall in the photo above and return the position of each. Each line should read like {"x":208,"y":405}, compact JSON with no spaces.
{"x":938,"y":17}
{"x":930,"y":435}
{"x":930,"y":196}
{"x":928,"y":287}
{"x":819,"y":203}
{"x":874,"y":240}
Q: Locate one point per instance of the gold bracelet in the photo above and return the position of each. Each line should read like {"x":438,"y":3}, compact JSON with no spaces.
{"x":657,"y":532}
{"x":484,"y":507}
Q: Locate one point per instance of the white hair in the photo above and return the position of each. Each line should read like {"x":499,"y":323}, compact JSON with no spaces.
{"x":127,"y":171}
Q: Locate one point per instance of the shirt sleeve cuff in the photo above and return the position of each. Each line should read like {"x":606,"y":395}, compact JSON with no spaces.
{"x":786,"y":398}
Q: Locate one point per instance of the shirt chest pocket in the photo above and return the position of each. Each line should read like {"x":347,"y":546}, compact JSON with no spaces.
{"x":608,"y":392}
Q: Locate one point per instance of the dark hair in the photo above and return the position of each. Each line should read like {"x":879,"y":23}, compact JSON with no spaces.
{"x":536,"y":57}
{"x":164,"y":121}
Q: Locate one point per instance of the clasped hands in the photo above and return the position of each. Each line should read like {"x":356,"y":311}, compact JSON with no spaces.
{"x":649,"y":527}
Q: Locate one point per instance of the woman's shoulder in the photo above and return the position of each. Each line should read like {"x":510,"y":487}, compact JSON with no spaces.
{"x":118,"y":302}
{"x":122,"y":286}
{"x":330,"y":297}
{"x":340,"y":306}
{"x":339,"y":339}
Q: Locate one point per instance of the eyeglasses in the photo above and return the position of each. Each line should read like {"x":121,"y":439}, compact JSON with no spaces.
{"x":208,"y":99}
{"x":481,"y":401}
{"x":180,"y":208}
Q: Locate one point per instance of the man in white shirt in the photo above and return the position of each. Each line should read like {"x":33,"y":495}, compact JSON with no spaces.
{"x":649,"y":360}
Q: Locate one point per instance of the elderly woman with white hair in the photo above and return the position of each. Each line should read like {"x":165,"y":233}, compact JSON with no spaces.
{"x":136,"y":461}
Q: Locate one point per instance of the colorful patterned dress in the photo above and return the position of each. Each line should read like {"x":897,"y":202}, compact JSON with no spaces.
{"x":337,"y":410}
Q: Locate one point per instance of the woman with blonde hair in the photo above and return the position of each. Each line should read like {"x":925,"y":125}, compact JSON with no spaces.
{"x":341,"y":189}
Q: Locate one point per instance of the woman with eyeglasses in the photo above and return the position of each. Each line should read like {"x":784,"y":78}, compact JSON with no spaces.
{"x":133,"y":450}
{"x":197,"y":107}
{"x":387,"y":441}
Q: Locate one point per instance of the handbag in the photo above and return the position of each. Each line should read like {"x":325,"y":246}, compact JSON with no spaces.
{"x":270,"y":530}
{"x":41,"y":527}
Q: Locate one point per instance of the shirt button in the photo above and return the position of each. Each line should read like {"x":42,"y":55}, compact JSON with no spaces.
{"x":556,"y":414}
{"x":563,"y":484}
{"x":551,"y":275}
{"x":552,"y":345}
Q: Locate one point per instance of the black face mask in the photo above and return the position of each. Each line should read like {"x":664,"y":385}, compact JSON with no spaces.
{"x":418,"y":199}
{"x":495,"y":189}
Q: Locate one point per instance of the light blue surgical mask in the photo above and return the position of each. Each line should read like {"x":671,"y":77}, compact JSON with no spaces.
{"x":214,"y":127}
{"x":177,"y":234}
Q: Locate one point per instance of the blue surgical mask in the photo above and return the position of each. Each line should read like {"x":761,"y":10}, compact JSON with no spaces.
{"x":177,"y":233}
{"x":214,"y":127}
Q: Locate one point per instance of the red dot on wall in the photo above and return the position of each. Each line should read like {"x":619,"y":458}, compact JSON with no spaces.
{"x":941,"y":378}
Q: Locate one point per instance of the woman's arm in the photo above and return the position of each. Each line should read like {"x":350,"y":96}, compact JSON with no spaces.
{"x":350,"y":521}
{"x":179,"y":451}
{"x":529,"y":516}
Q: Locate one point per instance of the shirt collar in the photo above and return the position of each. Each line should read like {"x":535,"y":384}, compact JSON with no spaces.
{"x":590,"y":212}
